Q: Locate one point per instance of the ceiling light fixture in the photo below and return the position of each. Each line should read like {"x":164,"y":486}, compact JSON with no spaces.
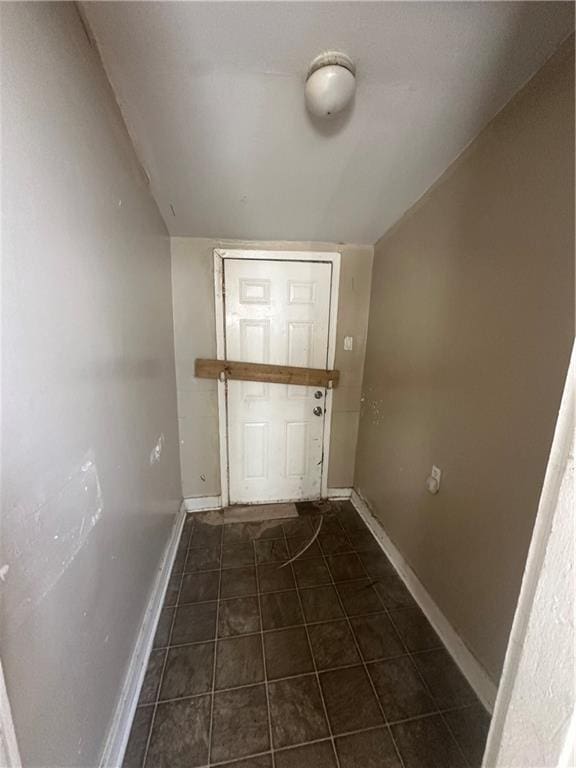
{"x":330,"y":84}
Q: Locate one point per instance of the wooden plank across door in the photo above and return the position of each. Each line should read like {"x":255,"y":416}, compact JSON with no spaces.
{"x":271,"y":374}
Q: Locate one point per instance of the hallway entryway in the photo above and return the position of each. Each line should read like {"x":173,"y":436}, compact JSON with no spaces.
{"x":287,"y":313}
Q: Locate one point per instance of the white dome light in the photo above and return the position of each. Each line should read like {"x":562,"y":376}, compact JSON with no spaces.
{"x":330,"y":84}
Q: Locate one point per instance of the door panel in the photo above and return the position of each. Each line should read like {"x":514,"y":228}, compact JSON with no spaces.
{"x":255,"y":450}
{"x":297,"y":440}
{"x":275,"y":312}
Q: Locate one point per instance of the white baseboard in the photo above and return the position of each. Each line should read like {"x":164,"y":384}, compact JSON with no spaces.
{"x":119,"y":731}
{"x":470,"y":667}
{"x":202,"y":503}
{"x":339,"y":494}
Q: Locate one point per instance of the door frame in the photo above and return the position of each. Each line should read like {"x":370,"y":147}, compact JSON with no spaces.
{"x":9,"y":753}
{"x":220,"y":254}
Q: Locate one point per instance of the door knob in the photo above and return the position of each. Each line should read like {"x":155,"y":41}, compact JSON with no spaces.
{"x":317,"y":411}
{"x":318,"y":394}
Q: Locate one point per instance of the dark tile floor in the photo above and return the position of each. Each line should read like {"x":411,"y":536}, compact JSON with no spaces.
{"x":326,"y":663}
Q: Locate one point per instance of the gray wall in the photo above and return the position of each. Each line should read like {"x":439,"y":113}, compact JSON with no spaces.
{"x":88,"y":389}
{"x":195,"y":336}
{"x":471,"y":321}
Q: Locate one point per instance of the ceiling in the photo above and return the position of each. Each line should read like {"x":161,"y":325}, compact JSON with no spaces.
{"x":212,"y":93}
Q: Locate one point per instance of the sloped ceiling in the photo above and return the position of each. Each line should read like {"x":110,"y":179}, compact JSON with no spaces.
{"x":212,"y":93}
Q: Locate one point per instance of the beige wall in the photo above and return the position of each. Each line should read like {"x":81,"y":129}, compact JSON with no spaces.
{"x":195,"y":336}
{"x":470,"y":330}
{"x":88,"y":389}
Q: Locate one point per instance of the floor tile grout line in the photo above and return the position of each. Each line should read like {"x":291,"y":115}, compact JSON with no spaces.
{"x":409,"y":653}
{"x":235,"y":760}
{"x":283,"y":537}
{"x":291,"y":677}
{"x":216,"y":638}
{"x":426,"y":715}
{"x":430,"y":691}
{"x":363,"y":662}
{"x":311,"y":650}
{"x":304,"y":744}
{"x":432,"y":713}
{"x":153,"y":720}
{"x":419,"y":674}
{"x":275,"y":629}
{"x":453,"y":735}
{"x":337,"y":736}
{"x":244,"y":566}
{"x":323,"y":553}
{"x":402,"y":643}
{"x":440,"y":712}
{"x":269,"y":713}
{"x":291,"y":747}
{"x":391,"y":612}
{"x":276,"y":591}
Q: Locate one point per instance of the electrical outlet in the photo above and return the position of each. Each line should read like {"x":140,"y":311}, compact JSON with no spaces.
{"x":348,"y":343}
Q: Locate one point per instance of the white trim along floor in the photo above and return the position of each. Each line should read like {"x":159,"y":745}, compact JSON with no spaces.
{"x":470,"y":667}
{"x":119,"y":731}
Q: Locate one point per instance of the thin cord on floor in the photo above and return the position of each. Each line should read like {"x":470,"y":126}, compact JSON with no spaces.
{"x":305,"y":547}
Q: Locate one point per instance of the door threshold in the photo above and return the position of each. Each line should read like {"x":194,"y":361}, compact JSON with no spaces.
{"x":255,"y":513}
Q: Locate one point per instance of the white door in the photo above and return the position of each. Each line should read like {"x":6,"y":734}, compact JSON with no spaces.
{"x":276,"y":312}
